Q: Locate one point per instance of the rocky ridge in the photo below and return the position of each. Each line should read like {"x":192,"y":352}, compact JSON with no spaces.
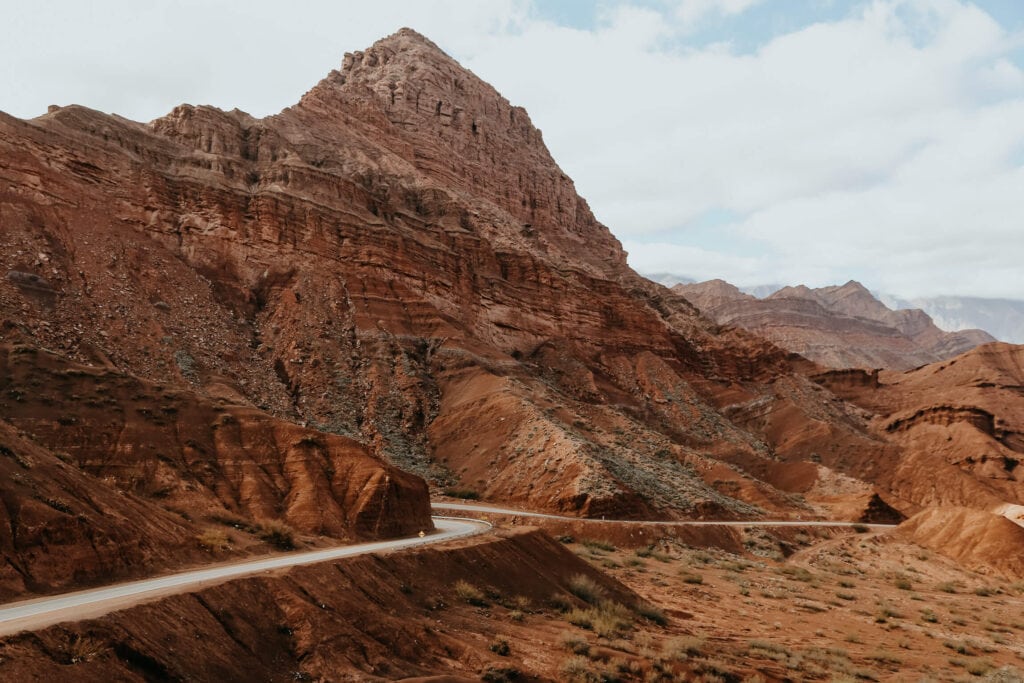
{"x":838,"y":326}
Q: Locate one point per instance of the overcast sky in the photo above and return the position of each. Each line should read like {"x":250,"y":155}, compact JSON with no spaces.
{"x":760,"y":141}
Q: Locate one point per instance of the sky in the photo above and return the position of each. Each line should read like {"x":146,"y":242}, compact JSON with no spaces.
{"x":759,"y":141}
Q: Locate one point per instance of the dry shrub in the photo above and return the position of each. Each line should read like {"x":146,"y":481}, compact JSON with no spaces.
{"x":278,"y":534}
{"x":469,"y":593}
{"x":212,"y":539}
{"x":586,"y":589}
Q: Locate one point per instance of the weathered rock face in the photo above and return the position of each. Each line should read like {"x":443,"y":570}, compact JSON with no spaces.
{"x":208,"y":459}
{"x":395,"y":260}
{"x":364,"y":262}
{"x":841,"y":326}
{"x":958,"y":425}
{"x":61,"y":528}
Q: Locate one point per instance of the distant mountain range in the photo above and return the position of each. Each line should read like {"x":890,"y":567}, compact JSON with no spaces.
{"x":1002,"y":318}
{"x":841,"y":326}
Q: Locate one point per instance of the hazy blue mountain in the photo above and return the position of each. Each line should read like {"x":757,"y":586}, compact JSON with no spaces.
{"x":761,"y":291}
{"x":1002,"y":318}
{"x":669,"y":279}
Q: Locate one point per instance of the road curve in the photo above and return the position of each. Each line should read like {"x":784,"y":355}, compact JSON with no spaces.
{"x":89,"y":604}
{"x":468,"y":507}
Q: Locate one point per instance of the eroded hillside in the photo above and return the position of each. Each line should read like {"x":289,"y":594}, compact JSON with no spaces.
{"x":396,"y":266}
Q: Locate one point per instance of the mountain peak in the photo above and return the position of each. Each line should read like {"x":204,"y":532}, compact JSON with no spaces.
{"x":854,"y":285}
{"x":407,"y":35}
{"x":406,"y":95}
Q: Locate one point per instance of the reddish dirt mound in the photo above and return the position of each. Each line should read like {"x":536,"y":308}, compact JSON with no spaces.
{"x":976,"y":539}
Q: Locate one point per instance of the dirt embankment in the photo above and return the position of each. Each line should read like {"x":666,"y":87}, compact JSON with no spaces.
{"x":377,"y":617}
{"x":979,"y":540}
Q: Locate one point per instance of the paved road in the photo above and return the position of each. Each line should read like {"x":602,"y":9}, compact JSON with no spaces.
{"x":468,"y":507}
{"x":89,"y":604}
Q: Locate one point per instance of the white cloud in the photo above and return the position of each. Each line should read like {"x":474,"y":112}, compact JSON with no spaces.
{"x":142,"y":59}
{"x":879,"y":146}
{"x":692,"y":12}
{"x":884,"y":145}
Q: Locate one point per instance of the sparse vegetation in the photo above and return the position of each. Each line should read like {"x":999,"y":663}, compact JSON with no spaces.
{"x":559,"y":602}
{"x":652,"y":613}
{"x":597,"y":544}
{"x":464,"y":494}
{"x":213,"y":539}
{"x":608,"y":619}
{"x":468,"y":593}
{"x":500,"y":647}
{"x":586,"y":589}
{"x":684,"y":647}
{"x":576,"y":669}
{"x":575,"y":644}
{"x":277,"y":534}
{"x":82,"y":649}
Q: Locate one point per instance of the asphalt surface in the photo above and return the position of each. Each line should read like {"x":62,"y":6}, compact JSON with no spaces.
{"x":89,"y":604}
{"x":468,"y":507}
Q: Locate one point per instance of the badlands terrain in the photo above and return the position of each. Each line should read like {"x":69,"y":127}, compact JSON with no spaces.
{"x":223,"y":337}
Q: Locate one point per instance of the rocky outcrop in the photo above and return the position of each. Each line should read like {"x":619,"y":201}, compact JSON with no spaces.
{"x":61,"y":528}
{"x":957,"y":425}
{"x":394,"y":267}
{"x":208,"y":459}
{"x":841,"y":326}
{"x":357,"y":262}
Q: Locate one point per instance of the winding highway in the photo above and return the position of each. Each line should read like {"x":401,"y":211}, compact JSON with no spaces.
{"x":89,"y":604}
{"x":469,"y":507}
